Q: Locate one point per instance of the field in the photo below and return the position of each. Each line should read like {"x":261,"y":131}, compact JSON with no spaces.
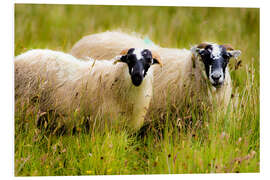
{"x":214,"y":142}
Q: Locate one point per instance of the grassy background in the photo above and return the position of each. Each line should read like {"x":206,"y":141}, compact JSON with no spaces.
{"x":215,"y":142}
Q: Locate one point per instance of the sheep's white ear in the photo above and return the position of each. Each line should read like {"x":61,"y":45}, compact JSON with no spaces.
{"x":231,"y":51}
{"x":156,"y":58}
{"x":196,"y":51}
{"x":234,"y":53}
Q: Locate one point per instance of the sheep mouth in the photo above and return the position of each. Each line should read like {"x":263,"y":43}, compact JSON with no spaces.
{"x":217,"y":84}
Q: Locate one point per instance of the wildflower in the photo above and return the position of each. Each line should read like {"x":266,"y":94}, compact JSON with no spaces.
{"x":109,"y":170}
{"x":64,"y":150}
{"x":223,"y":134}
{"x":88,"y":172}
{"x":253,"y":153}
{"x":240,"y":139}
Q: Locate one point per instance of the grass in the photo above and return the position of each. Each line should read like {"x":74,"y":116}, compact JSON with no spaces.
{"x":213,"y":142}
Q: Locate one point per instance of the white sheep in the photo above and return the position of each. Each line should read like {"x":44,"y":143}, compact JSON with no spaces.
{"x":66,"y":84}
{"x":185,"y":74}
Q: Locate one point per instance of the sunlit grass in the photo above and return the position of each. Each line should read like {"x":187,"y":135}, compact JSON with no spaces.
{"x":213,"y":142}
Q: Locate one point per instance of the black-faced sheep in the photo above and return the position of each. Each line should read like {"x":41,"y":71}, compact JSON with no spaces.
{"x":200,"y":74}
{"x":66,"y":84}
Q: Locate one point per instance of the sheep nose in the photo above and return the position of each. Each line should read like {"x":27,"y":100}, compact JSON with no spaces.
{"x":137,"y":79}
{"x":216,"y":77}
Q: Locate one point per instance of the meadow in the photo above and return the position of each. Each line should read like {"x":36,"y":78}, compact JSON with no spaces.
{"x":186,"y":142}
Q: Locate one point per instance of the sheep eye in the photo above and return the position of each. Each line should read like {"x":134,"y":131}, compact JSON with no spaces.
{"x":148,"y":60}
{"x":131,"y":58}
{"x":204,"y":53}
{"x":226,"y":56}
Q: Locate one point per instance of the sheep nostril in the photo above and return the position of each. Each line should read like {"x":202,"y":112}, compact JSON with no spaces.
{"x":216,"y":77}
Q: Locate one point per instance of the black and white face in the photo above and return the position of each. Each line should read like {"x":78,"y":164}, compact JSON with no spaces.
{"x":139,"y":61}
{"x":216,"y":58}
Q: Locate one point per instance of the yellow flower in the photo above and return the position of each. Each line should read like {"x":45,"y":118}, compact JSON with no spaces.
{"x":47,"y":166}
{"x":109,"y":170}
{"x":88,"y":172}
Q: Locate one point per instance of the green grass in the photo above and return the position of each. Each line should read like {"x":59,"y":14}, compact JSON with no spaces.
{"x":213,"y":142}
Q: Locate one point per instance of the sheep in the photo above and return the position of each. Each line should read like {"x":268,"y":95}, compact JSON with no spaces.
{"x":67,"y":84}
{"x":187,"y":75}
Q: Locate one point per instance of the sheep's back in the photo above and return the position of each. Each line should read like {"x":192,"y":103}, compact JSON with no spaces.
{"x":105,"y":45}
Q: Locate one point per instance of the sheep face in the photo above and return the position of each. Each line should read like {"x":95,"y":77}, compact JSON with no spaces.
{"x":215,"y":59}
{"x":139,"y":61}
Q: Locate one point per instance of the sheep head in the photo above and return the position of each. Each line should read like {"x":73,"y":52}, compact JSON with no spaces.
{"x":215,"y":59}
{"x":138,"y":61}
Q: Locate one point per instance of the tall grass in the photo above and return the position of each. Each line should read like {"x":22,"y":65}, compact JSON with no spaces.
{"x":185,"y":142}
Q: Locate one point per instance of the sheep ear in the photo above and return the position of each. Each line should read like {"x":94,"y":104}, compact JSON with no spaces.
{"x":122,"y":57}
{"x":196,"y":51}
{"x":156,"y":58}
{"x":231,"y":51}
{"x":124,"y":54}
{"x":234,"y":53}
